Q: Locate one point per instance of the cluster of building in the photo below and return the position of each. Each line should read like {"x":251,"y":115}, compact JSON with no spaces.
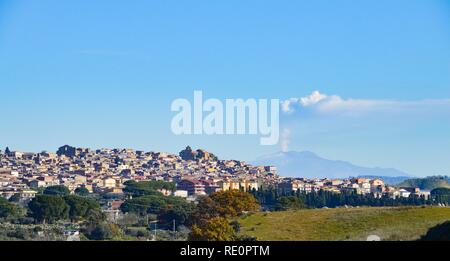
{"x":364,"y":186}
{"x":106,"y":170}
{"x":196,"y":173}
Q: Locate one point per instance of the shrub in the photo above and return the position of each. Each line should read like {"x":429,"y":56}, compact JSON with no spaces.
{"x":438,"y":233}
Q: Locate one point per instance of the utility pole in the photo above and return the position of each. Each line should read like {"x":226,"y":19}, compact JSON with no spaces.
{"x":156,"y":224}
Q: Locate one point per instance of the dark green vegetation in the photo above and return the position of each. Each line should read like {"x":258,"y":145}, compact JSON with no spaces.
{"x":441,"y":195}
{"x":81,"y":208}
{"x":9,"y":210}
{"x":55,"y":210}
{"x":103,"y":231}
{"x":428,"y":183}
{"x":438,"y":233}
{"x":168,"y":208}
{"x":48,"y":208}
{"x":20,"y":232}
{"x":83,"y":192}
{"x":57,"y":190}
{"x":52,"y":208}
{"x":147,"y":200}
{"x":273,"y":199}
{"x":289,"y":203}
{"x":400,"y":223}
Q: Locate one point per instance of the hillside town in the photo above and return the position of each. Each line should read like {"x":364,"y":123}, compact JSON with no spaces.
{"x":195,"y":173}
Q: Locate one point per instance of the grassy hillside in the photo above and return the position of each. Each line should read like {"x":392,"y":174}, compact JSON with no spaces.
{"x":405,"y":223}
{"x":428,"y":183}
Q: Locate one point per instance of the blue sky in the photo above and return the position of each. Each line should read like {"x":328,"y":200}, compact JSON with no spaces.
{"x":103,"y":74}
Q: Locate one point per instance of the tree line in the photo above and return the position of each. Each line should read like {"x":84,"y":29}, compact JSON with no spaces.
{"x":274,"y":199}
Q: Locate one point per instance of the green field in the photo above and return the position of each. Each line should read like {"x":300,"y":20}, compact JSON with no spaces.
{"x":402,"y":223}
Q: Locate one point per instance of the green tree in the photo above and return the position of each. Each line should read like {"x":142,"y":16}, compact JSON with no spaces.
{"x":79,"y":207}
{"x":150,"y":204}
{"x":9,"y":210}
{"x":105,"y":231}
{"x":289,"y":202}
{"x":49,"y":208}
{"x":441,"y":195}
{"x":95,"y":216}
{"x":82,"y":192}
{"x":15,"y":198}
{"x":143,"y":205}
{"x":58,"y":190}
{"x":179,"y":213}
{"x":438,"y":233}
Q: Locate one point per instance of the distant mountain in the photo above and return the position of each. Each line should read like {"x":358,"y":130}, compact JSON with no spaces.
{"x":309,"y":165}
{"x":428,"y":183}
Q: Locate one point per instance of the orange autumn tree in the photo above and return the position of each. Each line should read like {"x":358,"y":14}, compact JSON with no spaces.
{"x":211,"y":220}
{"x":215,"y":229}
{"x":233,"y":203}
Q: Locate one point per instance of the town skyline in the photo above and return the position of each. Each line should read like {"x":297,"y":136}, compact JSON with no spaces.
{"x":196,"y":171}
{"x":284,"y":161}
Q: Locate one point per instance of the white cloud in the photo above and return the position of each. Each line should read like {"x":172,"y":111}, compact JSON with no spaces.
{"x":287,"y":105}
{"x":312,"y":99}
{"x":333,"y":104}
